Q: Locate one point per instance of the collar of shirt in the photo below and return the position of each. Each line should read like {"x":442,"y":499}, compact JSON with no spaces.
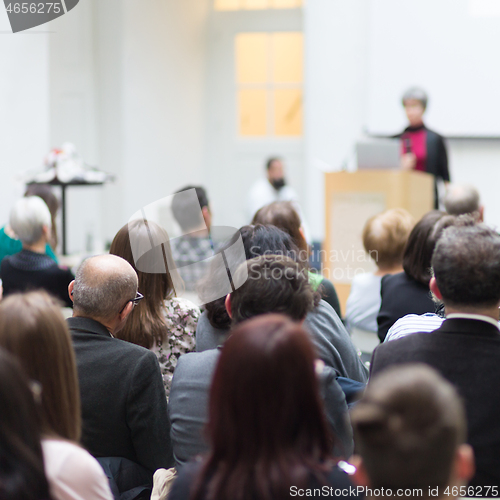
{"x":478,"y":317}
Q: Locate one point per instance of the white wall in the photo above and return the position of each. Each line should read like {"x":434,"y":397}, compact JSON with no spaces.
{"x":24,"y":108}
{"x":336,"y":107}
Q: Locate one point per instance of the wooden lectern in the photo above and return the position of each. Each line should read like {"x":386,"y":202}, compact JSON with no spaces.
{"x":351,"y":199}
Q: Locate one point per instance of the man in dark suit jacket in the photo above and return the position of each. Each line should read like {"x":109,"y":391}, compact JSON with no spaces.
{"x":124,"y":409}
{"x":466,"y":348}
{"x":274,"y":285}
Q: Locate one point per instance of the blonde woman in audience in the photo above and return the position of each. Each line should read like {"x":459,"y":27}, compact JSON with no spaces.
{"x":410,"y":430}
{"x":33,"y":329}
{"x":162,"y":322}
{"x":283,"y":215}
{"x":384,"y":238}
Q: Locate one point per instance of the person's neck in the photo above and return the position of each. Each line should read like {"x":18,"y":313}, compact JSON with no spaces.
{"x":490,"y":312}
{"x":383,"y":270}
{"x":38,"y":247}
{"x":201,"y":232}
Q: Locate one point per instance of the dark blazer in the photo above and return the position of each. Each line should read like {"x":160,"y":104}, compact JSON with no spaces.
{"x":124,"y":409}
{"x":467,"y":353}
{"x":188,"y":405}
{"x":401,"y":295}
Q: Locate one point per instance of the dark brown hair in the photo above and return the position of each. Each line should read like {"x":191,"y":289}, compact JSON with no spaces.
{"x":418,"y":252}
{"x":275,"y":284}
{"x":146,"y":323}
{"x":283,"y":215}
{"x":266,"y":424}
{"x":22,"y":475}
{"x":407,"y":428}
{"x":33,"y":329}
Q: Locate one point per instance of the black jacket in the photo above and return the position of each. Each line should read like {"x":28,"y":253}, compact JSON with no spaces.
{"x":124,"y":409}
{"x":467,"y":353}
{"x":401,"y":295}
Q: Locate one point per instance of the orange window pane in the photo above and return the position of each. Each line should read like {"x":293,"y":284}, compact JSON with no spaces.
{"x":227,"y":4}
{"x":288,"y":112}
{"x":251,"y":57}
{"x":252,"y":112}
{"x":255,"y":4}
{"x":288,"y":57}
{"x":286,"y":4}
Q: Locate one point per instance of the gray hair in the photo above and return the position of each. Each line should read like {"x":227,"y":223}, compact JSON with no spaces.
{"x":461,"y":200}
{"x":417,"y":94}
{"x":28,"y":217}
{"x":466,"y":265}
{"x":101,"y":292}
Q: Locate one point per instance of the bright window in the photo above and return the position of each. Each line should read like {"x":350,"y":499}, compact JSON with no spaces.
{"x":256,"y":4}
{"x":269,"y":75}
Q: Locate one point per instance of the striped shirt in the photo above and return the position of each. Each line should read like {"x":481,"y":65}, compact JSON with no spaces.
{"x":414,"y":323}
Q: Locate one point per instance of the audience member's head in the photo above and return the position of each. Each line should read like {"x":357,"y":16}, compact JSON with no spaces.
{"x":409,"y":429}
{"x":33,"y":329}
{"x":283,"y":215}
{"x":276,"y":172}
{"x":421,"y":242}
{"x":275,"y":284}
{"x":265,"y":413}
{"x":146,"y":321}
{"x":463,"y":199}
{"x":191,"y":216}
{"x":31,"y":221}
{"x":104,"y":289}
{"x":466,"y":265}
{"x":22,"y":474}
{"x":257,"y":240}
{"x":44,"y":191}
{"x":385,"y":236}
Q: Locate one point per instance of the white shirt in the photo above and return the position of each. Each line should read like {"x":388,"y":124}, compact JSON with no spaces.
{"x":73,"y":473}
{"x":363,"y":303}
{"x":262,"y":193}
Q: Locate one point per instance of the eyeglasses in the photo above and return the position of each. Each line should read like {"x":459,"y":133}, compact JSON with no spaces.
{"x":138,"y":297}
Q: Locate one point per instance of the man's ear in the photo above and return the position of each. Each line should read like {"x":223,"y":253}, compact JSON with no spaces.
{"x":70,"y":290}
{"x":434,"y":288}
{"x":227,"y":303}
{"x":126,"y":311}
{"x":464,"y":467}
{"x":360,"y":477}
{"x":481,"y":214}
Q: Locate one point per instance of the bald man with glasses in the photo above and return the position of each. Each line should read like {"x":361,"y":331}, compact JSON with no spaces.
{"x":124,"y":408}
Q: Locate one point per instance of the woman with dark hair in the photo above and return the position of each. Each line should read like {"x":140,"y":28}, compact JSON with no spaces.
{"x":266,"y":428}
{"x":329,"y":335}
{"x":162,"y":322}
{"x":408,"y":292}
{"x":283,"y":215}
{"x":33,"y":329}
{"x":22,"y":475}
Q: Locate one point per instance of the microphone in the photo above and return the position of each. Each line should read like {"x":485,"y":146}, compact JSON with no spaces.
{"x":407,"y":145}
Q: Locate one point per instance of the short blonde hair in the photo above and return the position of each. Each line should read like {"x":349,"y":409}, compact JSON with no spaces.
{"x":385,"y":236}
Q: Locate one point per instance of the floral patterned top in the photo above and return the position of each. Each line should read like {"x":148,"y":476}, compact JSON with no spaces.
{"x":182,"y":318}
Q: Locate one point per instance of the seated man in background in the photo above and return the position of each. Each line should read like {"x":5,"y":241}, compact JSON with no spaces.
{"x":32,"y":268}
{"x":124,"y":409}
{"x":191,"y":251}
{"x":466,"y":348}
{"x":384,"y":238}
{"x":275,"y":284}
{"x":410,"y":430}
{"x":463,"y":199}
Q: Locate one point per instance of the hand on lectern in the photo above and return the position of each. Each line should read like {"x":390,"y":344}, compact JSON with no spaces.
{"x":408,"y":161}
